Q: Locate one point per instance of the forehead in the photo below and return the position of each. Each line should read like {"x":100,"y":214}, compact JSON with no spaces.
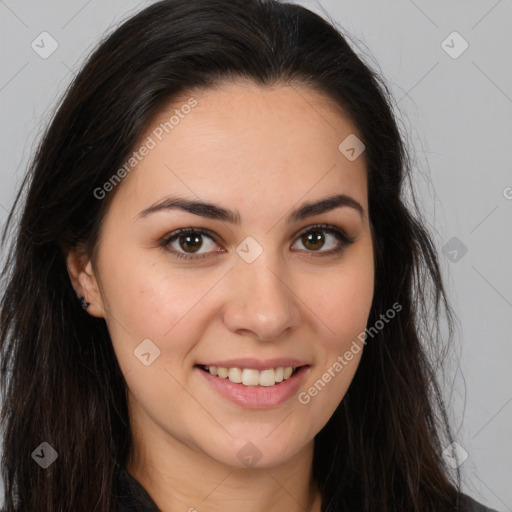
{"x":249,"y":145}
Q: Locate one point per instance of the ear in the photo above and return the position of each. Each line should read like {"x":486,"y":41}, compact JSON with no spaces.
{"x":84,"y":280}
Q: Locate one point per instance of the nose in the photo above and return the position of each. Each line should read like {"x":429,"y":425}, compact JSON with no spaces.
{"x":261,"y":301}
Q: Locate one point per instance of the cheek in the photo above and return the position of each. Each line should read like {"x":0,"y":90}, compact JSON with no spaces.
{"x":341,"y":316}
{"x":343,"y":302}
{"x":344,"y":312}
{"x":144,"y":299}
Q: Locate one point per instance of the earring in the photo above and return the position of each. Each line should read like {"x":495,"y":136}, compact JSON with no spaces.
{"x":85,"y":304}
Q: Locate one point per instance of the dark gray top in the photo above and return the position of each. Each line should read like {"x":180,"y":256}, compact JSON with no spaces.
{"x":134,"y":498}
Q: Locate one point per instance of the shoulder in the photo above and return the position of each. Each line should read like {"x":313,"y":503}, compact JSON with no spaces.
{"x":468,"y":504}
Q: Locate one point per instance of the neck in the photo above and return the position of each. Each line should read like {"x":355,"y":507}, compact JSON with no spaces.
{"x":180,"y":477}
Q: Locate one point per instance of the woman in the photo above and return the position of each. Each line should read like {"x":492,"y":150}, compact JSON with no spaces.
{"x":217,"y":297}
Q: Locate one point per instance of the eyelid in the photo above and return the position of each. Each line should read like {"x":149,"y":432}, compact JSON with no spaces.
{"x":343,"y":238}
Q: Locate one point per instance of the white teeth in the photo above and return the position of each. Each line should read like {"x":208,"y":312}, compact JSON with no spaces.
{"x":235,"y":375}
{"x":222,"y":372}
{"x":267,"y":377}
{"x":252,"y":377}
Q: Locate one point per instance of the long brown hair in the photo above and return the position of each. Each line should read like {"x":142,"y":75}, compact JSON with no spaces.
{"x":61,"y":382}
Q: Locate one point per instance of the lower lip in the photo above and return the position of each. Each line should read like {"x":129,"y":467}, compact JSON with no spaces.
{"x":256,"y":397}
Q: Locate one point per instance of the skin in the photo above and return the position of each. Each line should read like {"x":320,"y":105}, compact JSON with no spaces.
{"x":261,"y":152}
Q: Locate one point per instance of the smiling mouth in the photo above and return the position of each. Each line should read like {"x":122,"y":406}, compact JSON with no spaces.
{"x":251,"y":377}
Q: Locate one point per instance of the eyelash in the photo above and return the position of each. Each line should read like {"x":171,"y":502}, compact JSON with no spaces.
{"x":343,"y":239}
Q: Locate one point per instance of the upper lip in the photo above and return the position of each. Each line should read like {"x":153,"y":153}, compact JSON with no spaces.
{"x":256,"y":364}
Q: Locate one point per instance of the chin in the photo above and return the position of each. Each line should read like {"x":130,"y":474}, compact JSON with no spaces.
{"x":259,"y":453}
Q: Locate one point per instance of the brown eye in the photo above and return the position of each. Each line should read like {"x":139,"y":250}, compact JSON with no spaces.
{"x":197,"y":243}
{"x":313,"y":240}
{"x":186,"y":243}
{"x":192,"y":242}
{"x":330,"y":238}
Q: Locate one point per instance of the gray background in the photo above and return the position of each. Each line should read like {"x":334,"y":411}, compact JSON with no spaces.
{"x":457,"y":113}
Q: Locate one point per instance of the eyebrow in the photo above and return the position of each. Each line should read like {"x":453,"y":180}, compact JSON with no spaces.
{"x":213,"y":211}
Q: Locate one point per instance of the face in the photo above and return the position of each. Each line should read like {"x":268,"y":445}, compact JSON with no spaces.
{"x":261,"y":279}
